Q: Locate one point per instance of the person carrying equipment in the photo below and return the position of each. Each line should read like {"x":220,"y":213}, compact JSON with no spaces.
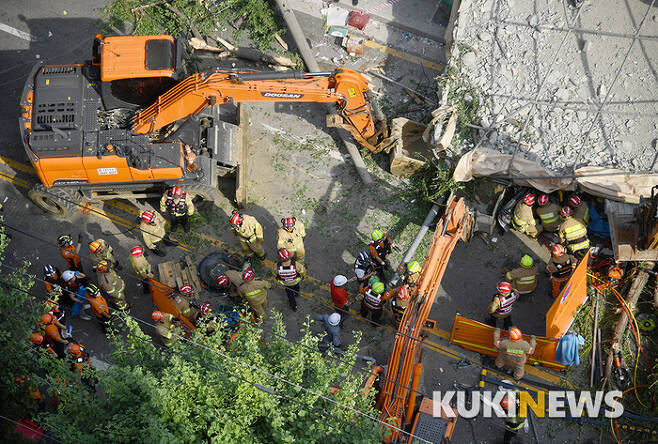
{"x":513,"y":351}
{"x":289,"y":273}
{"x":363,"y":269}
{"x":70,"y":252}
{"x":255,"y":292}
{"x":175,"y":203}
{"x":561,"y":267}
{"x":549,"y":213}
{"x":580,"y":209}
{"x":399,"y":304}
{"x":291,"y":237}
{"x":102,"y":251}
{"x":523,"y":278}
{"x":573,"y":233}
{"x":374,"y":297}
{"x":152,"y":226}
{"x":380,"y":248}
{"x":111,"y":284}
{"x":249,"y":232}
{"x":524,"y":221}
{"x":501,"y":305}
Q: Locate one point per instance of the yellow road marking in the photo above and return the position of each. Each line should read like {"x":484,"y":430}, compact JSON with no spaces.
{"x":216,"y":242}
{"x":403,"y":55}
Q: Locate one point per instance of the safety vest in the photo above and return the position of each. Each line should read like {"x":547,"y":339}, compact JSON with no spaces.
{"x":179,"y":208}
{"x":575,"y":234}
{"x":506,"y":303}
{"x":288,"y":276}
{"x":382,"y":247}
{"x":372,"y":299}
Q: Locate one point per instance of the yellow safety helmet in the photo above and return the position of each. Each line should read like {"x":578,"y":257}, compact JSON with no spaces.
{"x":413,"y":267}
{"x":526,"y":261}
{"x":377,"y":235}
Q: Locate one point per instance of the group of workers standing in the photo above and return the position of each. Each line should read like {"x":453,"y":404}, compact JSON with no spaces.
{"x":569,"y":224}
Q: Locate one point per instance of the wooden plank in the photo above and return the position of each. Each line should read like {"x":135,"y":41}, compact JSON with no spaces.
{"x":178,"y":275}
{"x":166,"y":274}
{"x":242,"y":176}
{"x":194,"y":275}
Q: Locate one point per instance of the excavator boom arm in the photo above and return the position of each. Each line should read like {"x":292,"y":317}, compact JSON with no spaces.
{"x":346,"y":88}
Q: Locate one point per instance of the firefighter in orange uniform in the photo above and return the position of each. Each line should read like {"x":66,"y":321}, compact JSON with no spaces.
{"x":70,"y":252}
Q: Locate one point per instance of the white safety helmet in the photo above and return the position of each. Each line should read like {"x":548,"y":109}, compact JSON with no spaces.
{"x":340,"y":280}
{"x":68,"y":275}
{"x":334,"y":319}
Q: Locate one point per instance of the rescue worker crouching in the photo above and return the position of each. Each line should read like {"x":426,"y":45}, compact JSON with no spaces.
{"x":52,"y":333}
{"x":523,"y":220}
{"x":513,"y":351}
{"x":573,"y":233}
{"x":111,"y":284}
{"x":291,"y":237}
{"x":182,"y":303}
{"x":70,"y":252}
{"x":102,"y":251}
{"x":289,"y":273}
{"x":580,"y":209}
{"x":178,"y":206}
{"x":380,"y":248}
{"x":501,"y":305}
{"x":152,"y":226}
{"x":249,"y":232}
{"x":549,"y":213}
{"x":523,"y":278}
{"x":374,"y":297}
{"x":255,"y":292}
{"x":363,"y":269}
{"x":560,"y":267}
{"x":165,"y":325}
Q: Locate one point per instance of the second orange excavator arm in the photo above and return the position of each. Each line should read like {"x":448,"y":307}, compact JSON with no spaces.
{"x":346,"y":88}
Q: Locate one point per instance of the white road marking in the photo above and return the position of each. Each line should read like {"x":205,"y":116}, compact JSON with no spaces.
{"x":18,"y":33}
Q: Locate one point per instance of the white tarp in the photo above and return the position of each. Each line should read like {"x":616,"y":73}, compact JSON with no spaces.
{"x":598,"y":181}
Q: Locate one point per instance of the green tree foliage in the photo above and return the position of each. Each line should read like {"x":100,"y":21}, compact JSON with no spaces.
{"x":156,"y":18}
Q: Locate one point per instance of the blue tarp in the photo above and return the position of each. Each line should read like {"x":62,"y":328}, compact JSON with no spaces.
{"x":567,"y":349}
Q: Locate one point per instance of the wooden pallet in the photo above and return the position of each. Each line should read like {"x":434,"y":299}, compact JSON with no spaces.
{"x":175,"y":274}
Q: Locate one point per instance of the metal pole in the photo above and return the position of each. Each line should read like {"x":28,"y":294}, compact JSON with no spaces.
{"x":312,"y":65}
{"x":594,"y":335}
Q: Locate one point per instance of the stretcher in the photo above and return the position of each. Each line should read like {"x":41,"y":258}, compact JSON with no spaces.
{"x":161,"y":296}
{"x":477,"y":336}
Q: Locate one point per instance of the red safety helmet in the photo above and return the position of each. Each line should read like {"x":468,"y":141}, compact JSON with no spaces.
{"x":574,"y":201}
{"x":529,"y":199}
{"x":543,"y":200}
{"x":36,"y":338}
{"x":403,"y":293}
{"x":284,"y":254}
{"x":137,"y":251}
{"x":222,"y":280}
{"x":148,"y":216}
{"x":186,"y":290}
{"x":566,"y":211}
{"x":504,"y":287}
{"x":157,"y":316}
{"x":236,"y":218}
{"x":515,"y":334}
{"x":95,"y":246}
{"x":248,"y":275}
{"x":47,"y":318}
{"x":288,"y":222}
{"x":176,"y":191}
{"x":205,"y":308}
{"x":558,"y":250}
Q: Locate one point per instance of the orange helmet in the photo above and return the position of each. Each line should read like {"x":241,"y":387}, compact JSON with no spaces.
{"x":47,"y":318}
{"x":529,"y":199}
{"x":157,"y":316}
{"x":103,"y":266}
{"x":236,"y":218}
{"x":558,"y":250}
{"x":95,"y":246}
{"x":75,"y":349}
{"x":36,"y":338}
{"x":506,"y":402}
{"x":186,"y":290}
{"x":137,"y":251}
{"x":148,"y":216}
{"x":515,"y":334}
{"x":504,"y":287}
{"x":248,"y":275}
{"x":284,"y":254}
{"x":566,"y":211}
{"x":403,"y":293}
{"x":222,"y":280}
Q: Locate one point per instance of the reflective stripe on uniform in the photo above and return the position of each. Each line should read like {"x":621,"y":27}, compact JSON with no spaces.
{"x":506,"y":303}
{"x":288,"y":275}
{"x":574,"y":232}
{"x":526,"y":280}
{"x":372,"y":300}
{"x":254,"y":292}
{"x":548,"y":218}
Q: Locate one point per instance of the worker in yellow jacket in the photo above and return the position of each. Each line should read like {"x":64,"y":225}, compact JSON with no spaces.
{"x":249,"y":232}
{"x":291,"y":237}
{"x":549,"y":213}
{"x":573,"y":233}
{"x":523,"y":220}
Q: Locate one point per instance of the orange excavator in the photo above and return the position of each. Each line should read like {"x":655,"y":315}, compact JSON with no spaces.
{"x":131,"y":122}
{"x":397,"y":399}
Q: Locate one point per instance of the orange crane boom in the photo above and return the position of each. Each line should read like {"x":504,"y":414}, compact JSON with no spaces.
{"x":397,"y":397}
{"x":348,"y":89}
